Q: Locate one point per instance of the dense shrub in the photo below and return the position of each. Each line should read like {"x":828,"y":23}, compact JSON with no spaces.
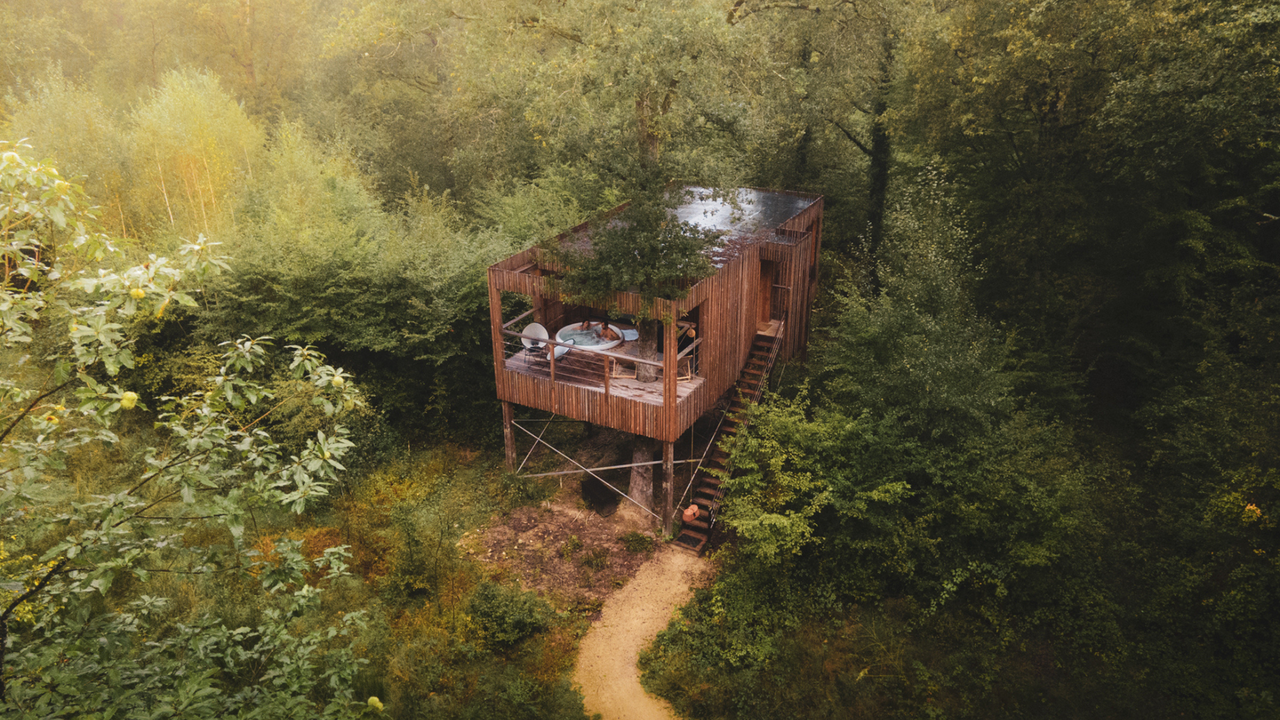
{"x":506,"y":615}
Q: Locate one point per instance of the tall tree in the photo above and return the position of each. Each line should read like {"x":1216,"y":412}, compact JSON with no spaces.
{"x":825,"y":87}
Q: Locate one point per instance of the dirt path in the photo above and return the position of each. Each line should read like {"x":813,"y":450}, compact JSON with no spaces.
{"x":630,"y":619}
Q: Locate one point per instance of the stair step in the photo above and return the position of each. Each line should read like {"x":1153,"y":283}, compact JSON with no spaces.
{"x":691,"y":541}
{"x":700,"y":525}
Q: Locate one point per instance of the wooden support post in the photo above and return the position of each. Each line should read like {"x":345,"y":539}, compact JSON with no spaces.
{"x":509,"y":435}
{"x":670,"y":395}
{"x":668,"y":484}
{"x":495,"y":322}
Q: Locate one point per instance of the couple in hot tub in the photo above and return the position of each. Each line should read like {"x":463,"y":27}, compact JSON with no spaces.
{"x":601,"y":328}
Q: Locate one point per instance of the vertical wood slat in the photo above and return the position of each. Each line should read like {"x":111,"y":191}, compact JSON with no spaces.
{"x":495,"y":321}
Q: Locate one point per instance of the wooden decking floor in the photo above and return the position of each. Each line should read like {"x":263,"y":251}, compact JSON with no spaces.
{"x":587,"y":370}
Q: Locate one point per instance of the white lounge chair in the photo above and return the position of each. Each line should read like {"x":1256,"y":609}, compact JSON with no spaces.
{"x":536,"y":330}
{"x":562,"y":349}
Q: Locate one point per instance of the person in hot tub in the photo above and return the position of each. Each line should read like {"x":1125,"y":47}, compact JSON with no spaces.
{"x":602,"y":329}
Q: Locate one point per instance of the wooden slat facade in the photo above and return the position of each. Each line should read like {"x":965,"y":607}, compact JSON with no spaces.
{"x":728,"y":313}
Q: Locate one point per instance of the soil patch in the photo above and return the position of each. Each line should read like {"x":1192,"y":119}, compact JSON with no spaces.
{"x":564,"y":550}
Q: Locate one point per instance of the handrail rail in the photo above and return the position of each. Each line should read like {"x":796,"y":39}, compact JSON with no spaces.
{"x":714,"y":434}
{"x":518,"y":318}
{"x":755,"y":397}
{"x":689,"y":349}
{"x":773,"y":356}
{"x":583,"y":348}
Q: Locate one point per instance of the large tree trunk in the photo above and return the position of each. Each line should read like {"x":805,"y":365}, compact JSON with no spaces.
{"x":650,"y":331}
{"x":642,"y":477}
{"x":881,"y":156}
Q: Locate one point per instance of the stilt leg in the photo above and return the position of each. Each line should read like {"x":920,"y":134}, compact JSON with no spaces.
{"x":509,"y":435}
{"x":668,"y":484}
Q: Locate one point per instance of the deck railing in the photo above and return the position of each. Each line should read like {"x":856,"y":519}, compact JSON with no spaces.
{"x":597,"y":370}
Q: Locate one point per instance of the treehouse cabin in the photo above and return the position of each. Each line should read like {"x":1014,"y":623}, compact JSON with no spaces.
{"x":582,"y":362}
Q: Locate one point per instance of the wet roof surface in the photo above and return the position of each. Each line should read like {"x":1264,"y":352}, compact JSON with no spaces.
{"x":748,"y":213}
{"x":743,"y":217}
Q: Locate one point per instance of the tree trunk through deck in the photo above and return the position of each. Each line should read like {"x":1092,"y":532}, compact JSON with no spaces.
{"x":668,"y":485}
{"x":647,"y":344}
{"x":641,"y":489}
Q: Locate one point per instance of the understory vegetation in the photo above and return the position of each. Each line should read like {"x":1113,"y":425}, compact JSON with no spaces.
{"x":1027,"y":468}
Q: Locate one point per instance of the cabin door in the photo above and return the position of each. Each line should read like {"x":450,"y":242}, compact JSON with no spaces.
{"x":764,"y":307}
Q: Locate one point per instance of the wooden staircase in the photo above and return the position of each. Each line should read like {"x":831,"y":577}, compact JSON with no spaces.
{"x":707,"y":493}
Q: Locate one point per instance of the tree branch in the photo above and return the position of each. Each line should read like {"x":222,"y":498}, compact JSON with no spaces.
{"x":57,"y":569}
{"x":533,"y":22}
{"x":866,"y":150}
{"x":733,"y":18}
{"x":32,"y":406}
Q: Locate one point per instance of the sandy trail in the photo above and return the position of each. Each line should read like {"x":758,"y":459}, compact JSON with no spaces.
{"x":630,"y":619}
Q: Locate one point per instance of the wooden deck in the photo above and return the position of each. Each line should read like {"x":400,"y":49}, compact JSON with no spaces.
{"x":587,"y":370}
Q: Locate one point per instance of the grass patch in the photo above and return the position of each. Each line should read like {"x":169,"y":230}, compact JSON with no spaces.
{"x":637,"y":542}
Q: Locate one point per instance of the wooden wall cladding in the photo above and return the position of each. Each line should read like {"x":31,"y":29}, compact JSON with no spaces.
{"x":728,"y":305}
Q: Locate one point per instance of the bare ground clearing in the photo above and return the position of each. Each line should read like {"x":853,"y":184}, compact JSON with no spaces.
{"x":577,"y":560}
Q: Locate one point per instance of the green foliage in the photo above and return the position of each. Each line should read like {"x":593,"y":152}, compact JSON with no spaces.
{"x":214,"y":469}
{"x":531,"y":212}
{"x":506,"y":615}
{"x":643,"y":249}
{"x":638,"y":542}
{"x":919,"y":350}
{"x":570,"y":547}
{"x":1105,"y":146}
{"x":71,"y":125}
{"x":191,"y":145}
{"x":595,"y":559}
{"x":400,"y":295}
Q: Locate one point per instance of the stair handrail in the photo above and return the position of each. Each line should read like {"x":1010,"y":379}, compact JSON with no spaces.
{"x":759,"y":391}
{"x":698,"y":468}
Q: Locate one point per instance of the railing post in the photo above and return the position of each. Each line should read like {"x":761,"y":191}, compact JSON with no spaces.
{"x":555,"y":396}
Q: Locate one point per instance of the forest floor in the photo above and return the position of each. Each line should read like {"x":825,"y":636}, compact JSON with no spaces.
{"x":609,"y":570}
{"x":572,"y":556}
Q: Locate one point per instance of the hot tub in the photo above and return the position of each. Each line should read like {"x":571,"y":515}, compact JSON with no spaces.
{"x":589,"y":337}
